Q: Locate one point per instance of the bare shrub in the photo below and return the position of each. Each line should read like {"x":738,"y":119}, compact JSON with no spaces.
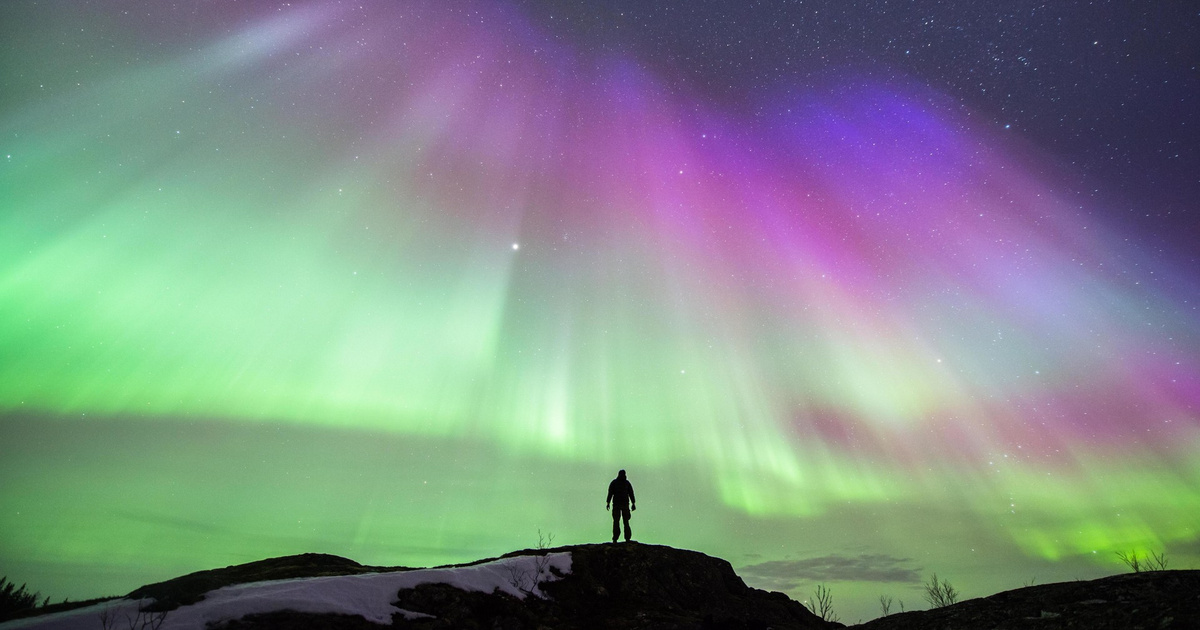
{"x":824,"y":601}
{"x":526,"y":579}
{"x":1131,"y":560}
{"x":142,"y":619}
{"x":519,"y":577}
{"x":940,"y":594}
{"x":1155,"y":562}
{"x":885,"y":604}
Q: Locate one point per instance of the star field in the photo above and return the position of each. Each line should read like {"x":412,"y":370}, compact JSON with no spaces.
{"x":856,"y":292}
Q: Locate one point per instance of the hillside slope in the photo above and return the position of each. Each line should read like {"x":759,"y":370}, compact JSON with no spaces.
{"x":621,"y":586}
{"x":1156,"y":599}
{"x":626,"y":586}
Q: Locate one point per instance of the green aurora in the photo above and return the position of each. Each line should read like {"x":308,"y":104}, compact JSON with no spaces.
{"x":398,"y":285}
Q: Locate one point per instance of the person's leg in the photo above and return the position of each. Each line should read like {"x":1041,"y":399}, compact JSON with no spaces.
{"x":628,"y":532}
{"x":616,"y":513}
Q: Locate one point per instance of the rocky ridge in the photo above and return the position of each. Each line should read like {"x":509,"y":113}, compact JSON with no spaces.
{"x":622,"y":586}
{"x":1132,"y":601}
{"x":635,"y":586}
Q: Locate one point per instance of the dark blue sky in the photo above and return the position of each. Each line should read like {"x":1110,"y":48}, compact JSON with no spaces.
{"x":1108,"y":89}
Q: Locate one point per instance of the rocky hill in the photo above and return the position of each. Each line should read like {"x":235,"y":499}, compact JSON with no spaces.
{"x":620,"y":586}
{"x":191,"y":588}
{"x":1148,"y":600}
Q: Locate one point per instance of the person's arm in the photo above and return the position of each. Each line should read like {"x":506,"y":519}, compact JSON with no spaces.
{"x":632,"y":499}
{"x":610,"y":493}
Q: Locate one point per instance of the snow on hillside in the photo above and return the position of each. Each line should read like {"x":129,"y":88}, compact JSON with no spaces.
{"x":370,"y":595}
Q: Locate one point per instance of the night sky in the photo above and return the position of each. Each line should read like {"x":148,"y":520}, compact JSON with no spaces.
{"x":855,"y":291}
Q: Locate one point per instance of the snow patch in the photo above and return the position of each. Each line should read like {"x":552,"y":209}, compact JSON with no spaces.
{"x":369,"y":594}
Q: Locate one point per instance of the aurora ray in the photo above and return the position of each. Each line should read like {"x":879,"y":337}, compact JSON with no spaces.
{"x":263,"y":294}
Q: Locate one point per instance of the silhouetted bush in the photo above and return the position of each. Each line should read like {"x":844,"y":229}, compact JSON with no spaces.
{"x":141,"y":619}
{"x":823,"y":598}
{"x":527,"y":579}
{"x":1155,"y":562}
{"x":940,"y":594}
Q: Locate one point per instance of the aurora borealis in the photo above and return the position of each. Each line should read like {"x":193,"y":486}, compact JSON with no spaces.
{"x":408,"y":281}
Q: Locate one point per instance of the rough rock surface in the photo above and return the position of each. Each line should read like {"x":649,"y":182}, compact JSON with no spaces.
{"x":1148,"y":600}
{"x":624,"y":585}
{"x":635,"y":586}
{"x":190,"y":588}
{"x":621,"y":586}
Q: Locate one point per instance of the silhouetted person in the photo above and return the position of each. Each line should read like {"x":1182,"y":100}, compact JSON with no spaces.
{"x":620,"y":495}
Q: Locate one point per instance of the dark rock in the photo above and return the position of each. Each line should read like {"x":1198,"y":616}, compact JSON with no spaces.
{"x":191,"y":588}
{"x":620,"y":586}
{"x":1149,"y":600}
{"x":632,"y":585}
{"x":450,"y":607}
{"x":291,"y":620}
